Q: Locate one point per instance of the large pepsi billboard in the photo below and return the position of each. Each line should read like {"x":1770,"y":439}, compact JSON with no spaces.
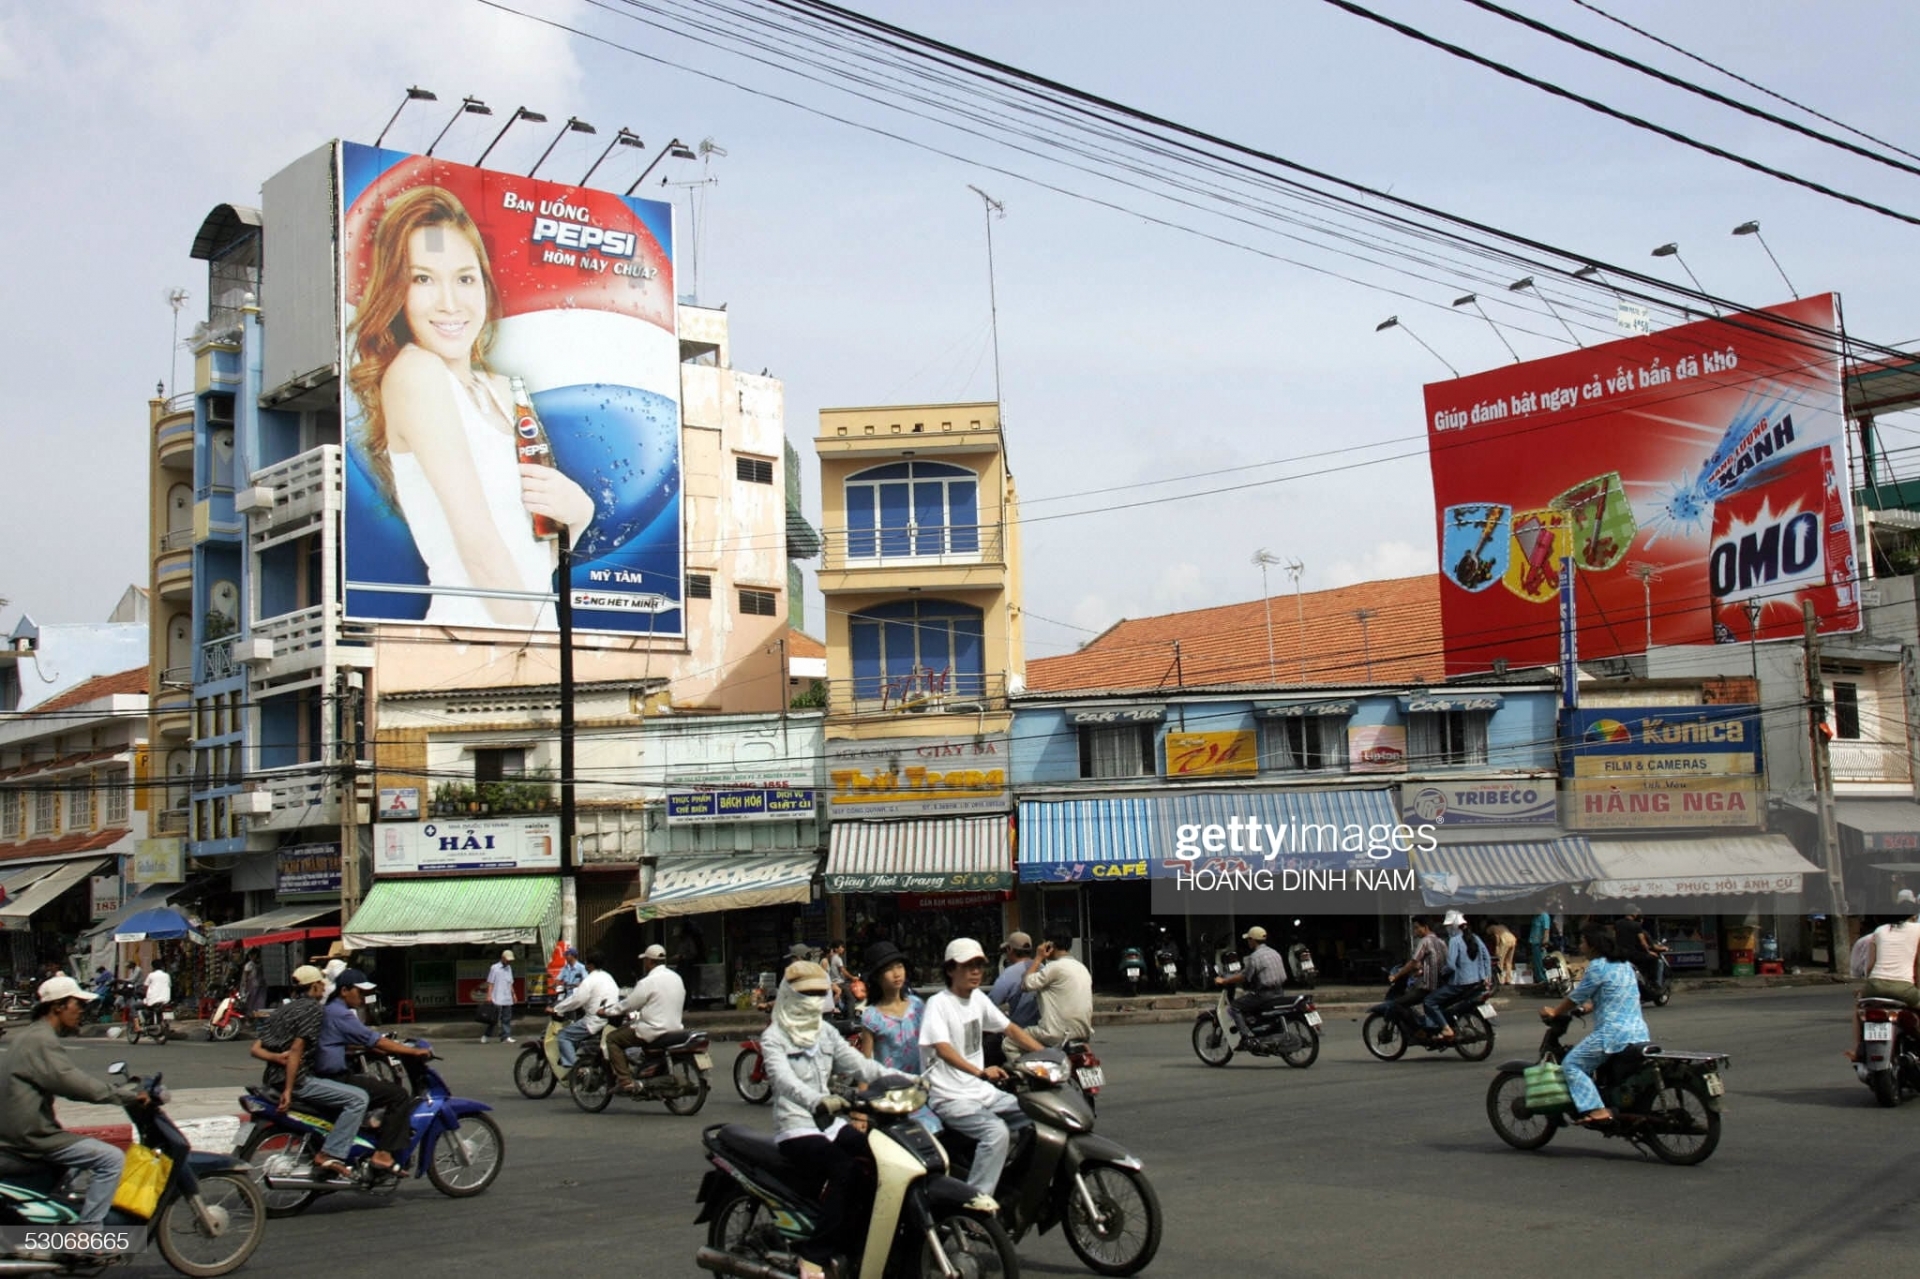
{"x":512,"y":379}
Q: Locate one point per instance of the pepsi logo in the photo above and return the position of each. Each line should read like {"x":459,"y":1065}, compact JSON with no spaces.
{"x":528,"y":428}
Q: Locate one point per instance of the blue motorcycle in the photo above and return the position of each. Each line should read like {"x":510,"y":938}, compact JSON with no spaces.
{"x":209,"y":1220}
{"x":454,"y":1144}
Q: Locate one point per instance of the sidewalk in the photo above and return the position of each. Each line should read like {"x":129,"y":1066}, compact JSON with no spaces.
{"x":211,"y":1118}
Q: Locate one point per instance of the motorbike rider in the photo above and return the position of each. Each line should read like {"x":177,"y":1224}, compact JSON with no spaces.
{"x":341,"y":1028}
{"x":1469,"y":967}
{"x":803,"y":1052}
{"x":158,"y":994}
{"x":1262,"y":975}
{"x":653,"y":1007}
{"x":572,"y":973}
{"x":1609,"y":986}
{"x":37,"y":1070}
{"x":596,"y":997}
{"x":1637,"y":946}
{"x":953,"y":1032}
{"x":1021,"y":1006}
{"x":289,"y":1044}
{"x":1064,"y":988}
{"x":1424,"y":967}
{"x":1893,"y":960}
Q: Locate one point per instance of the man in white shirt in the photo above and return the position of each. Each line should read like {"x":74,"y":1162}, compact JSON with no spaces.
{"x":500,"y":994}
{"x":1064,"y":988}
{"x":596,"y":996}
{"x":655,"y":1005}
{"x":159,"y":993}
{"x":953,"y":1030}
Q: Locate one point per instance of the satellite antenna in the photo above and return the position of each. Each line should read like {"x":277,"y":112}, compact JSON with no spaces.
{"x":176,"y":298}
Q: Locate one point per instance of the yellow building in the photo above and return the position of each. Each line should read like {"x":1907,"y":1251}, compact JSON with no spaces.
{"x":921,"y":577}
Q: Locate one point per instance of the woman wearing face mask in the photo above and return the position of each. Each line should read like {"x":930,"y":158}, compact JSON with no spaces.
{"x":802,"y":1053}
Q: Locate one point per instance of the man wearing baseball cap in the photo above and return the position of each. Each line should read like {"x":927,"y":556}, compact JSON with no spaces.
{"x":38,"y":1070}
{"x":960,"y":1082}
{"x":342,"y":1028}
{"x":1263,"y":973}
{"x":655,"y":1003}
{"x":1021,"y":1007}
{"x":289,"y":1044}
{"x":500,"y":995}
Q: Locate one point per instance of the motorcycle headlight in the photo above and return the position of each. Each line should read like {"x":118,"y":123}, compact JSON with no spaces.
{"x":1054,"y":1072}
{"x":899,"y":1101}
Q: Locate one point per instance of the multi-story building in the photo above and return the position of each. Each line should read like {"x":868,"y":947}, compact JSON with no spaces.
{"x":923,"y":632}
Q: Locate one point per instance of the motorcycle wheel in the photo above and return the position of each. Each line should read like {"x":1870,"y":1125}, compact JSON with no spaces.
{"x":731,"y":1224}
{"x":1211,"y":1043}
{"x":977,"y":1247}
{"x":1474,"y":1035}
{"x":231,"y":1200}
{"x":532,"y":1074}
{"x":1682,"y":1106}
{"x":1126,"y":1241}
{"x":1662,"y":996}
{"x":689,"y":1076}
{"x":486,"y":1154}
{"x":1301,"y":1058}
{"x":754,"y":1093}
{"x":284,"y":1154}
{"x":1382,"y":1037}
{"x":1886,"y":1089}
{"x":226,"y":1030}
{"x":1511,"y":1120}
{"x":591,"y":1085}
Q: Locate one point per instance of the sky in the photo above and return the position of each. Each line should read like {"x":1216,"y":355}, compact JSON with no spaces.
{"x":853,"y":265}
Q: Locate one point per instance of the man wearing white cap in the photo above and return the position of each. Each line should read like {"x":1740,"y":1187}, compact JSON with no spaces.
{"x":954,"y":1029}
{"x":1262,"y":974}
{"x":655,"y":1003}
{"x":500,"y":995}
{"x":38,"y":1070}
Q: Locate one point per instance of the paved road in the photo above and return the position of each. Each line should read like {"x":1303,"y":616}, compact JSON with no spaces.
{"x":1352,"y":1166}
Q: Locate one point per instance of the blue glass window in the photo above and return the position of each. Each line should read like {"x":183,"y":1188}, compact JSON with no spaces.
{"x":910,"y":509}
{"x":917,"y":648}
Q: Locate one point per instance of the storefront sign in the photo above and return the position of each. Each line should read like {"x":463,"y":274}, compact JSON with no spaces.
{"x":1377,"y":748}
{"x":921,"y":882}
{"x":948,"y":901}
{"x":1306,"y":710}
{"x":445,"y":847}
{"x":1225,"y":754}
{"x":918,"y":777}
{"x":741,"y":804}
{"x":159,"y":861}
{"x":1678,"y":764}
{"x":399,"y":803}
{"x":1884,"y":841}
{"x":1079,"y":872}
{"x":105,"y":894}
{"x":307,"y":870}
{"x":1738,"y":885}
{"x":1482,"y":803}
{"x":1661,"y":803}
{"x":1663,"y":741}
{"x":1116,"y":715}
{"x":1440,"y":704}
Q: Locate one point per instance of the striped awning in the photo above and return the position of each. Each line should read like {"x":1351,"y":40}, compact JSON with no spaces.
{"x":925,"y":855}
{"x":500,"y":910}
{"x":283,"y":924}
{"x":1069,"y":840}
{"x":1467,"y":874}
{"x":1703,"y":866}
{"x":701,"y":885}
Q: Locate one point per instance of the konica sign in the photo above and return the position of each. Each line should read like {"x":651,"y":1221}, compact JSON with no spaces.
{"x":1508,"y":802}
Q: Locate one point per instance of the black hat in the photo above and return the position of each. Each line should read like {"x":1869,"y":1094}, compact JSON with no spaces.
{"x":879,"y":955}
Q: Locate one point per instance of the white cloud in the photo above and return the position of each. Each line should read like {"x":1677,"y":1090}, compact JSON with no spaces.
{"x":1383,"y":560}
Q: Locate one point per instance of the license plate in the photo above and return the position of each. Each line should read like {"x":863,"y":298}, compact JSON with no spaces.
{"x":1091,"y":1077}
{"x":1877,"y":1030}
{"x":1714,"y":1086}
{"x":703,"y":1060}
{"x":1313,"y":1019}
{"x":1488,"y":1011}
{"x":1233,"y":968}
{"x":1168,"y":969}
{"x":1133,"y":972}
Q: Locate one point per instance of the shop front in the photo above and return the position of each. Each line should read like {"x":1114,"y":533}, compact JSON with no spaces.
{"x":1732,"y":903}
{"x":46,"y":904}
{"x":921,"y":882}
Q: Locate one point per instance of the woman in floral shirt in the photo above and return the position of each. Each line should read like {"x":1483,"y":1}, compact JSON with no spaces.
{"x":890,"y":1026}
{"x":1611,"y":986}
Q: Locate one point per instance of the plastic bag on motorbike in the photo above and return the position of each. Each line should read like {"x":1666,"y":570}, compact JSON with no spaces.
{"x":142,"y":1179}
{"x":1547,"y":1091}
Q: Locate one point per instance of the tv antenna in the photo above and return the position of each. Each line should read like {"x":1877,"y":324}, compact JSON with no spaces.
{"x":993,"y":209}
{"x":1646,"y":574}
{"x":176,"y":298}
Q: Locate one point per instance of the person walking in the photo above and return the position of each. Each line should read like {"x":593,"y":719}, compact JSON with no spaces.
{"x":500,"y":995}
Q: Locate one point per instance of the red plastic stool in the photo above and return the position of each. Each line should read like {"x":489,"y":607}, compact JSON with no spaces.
{"x":1771,"y":968}
{"x":403,"y":1011}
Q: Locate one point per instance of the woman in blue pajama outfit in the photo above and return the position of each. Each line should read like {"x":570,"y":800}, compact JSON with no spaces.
{"x":1610,"y":985}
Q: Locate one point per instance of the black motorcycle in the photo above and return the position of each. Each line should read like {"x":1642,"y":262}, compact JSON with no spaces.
{"x":1391,"y":1027}
{"x":1658,"y":989}
{"x":1667,"y":1102}
{"x":1266,"y":1025}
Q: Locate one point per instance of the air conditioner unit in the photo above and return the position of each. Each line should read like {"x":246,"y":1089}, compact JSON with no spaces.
{"x":253,"y":803}
{"x":252,"y":501}
{"x":254,"y":651}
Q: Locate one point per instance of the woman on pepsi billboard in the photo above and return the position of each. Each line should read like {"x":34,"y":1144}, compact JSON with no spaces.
{"x":439,"y":423}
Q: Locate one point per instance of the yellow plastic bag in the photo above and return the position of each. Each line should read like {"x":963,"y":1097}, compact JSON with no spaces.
{"x":141,"y":1181}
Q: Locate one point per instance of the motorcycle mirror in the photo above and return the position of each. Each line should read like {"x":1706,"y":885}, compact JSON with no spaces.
{"x":117,"y":1068}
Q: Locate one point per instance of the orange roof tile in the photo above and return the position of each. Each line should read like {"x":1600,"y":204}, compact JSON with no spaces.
{"x":801,"y":644}
{"x":87,"y":842}
{"x":133,"y":681}
{"x":1400,"y":643}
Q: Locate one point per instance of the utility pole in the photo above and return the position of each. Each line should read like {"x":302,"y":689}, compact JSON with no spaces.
{"x":1817,"y":732}
{"x":349,"y":701}
{"x":563,"y":612}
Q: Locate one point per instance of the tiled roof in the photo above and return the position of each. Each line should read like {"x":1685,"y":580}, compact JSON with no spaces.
{"x":133,"y":681}
{"x":65,"y":763}
{"x":801,"y":644}
{"x":86,"y":842}
{"x":1400,"y":644}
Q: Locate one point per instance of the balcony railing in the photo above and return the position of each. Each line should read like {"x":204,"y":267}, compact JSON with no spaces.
{"x":177,"y":539}
{"x":1863,"y":761}
{"x":178,"y":676}
{"x":914,"y":546}
{"x":299,"y":641}
{"x":216,"y":656}
{"x":918,"y":692}
{"x":303,"y":795}
{"x":170,"y":821}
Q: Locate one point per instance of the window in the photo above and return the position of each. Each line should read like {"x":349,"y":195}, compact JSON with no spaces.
{"x":491,"y":765}
{"x":79,"y":805}
{"x":9,"y":814}
{"x":1116,"y":750}
{"x":46,"y":810}
{"x":916,"y":649}
{"x":758,"y":603}
{"x":753,"y":470}
{"x":1436,"y":739}
{"x":699,"y":586}
{"x":1846,"y":711}
{"x":116,"y":789}
{"x":909,"y":509}
{"x":1305,"y":743}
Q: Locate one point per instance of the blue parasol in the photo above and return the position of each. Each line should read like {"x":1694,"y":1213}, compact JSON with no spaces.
{"x":158,"y":924}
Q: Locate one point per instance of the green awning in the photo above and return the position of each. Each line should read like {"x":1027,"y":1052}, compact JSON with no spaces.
{"x":500,"y":910}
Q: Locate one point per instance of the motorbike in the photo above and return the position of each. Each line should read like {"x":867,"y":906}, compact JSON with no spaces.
{"x":1133,"y":969}
{"x":1166,"y":961}
{"x":1088,"y":1075}
{"x":1281,"y":1025}
{"x":453,"y":1143}
{"x":1301,"y":970}
{"x":229,"y":1016}
{"x":1887,"y":1059}
{"x":149,"y":1021}
{"x":923,"y":1224}
{"x":1059,"y":1173}
{"x":1391,"y":1027}
{"x":1559,"y":976}
{"x":209,"y":1221}
{"x":1658,"y":991}
{"x":537,"y":1070}
{"x":1666,"y":1102}
{"x":670,"y":1068}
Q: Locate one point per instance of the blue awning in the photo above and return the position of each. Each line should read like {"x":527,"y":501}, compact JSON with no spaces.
{"x":1467,"y":874}
{"x":1068,"y":840}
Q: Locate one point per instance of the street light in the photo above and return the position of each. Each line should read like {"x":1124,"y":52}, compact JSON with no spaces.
{"x":414,"y":94}
{"x":1753,"y":229}
{"x":1671,"y":249}
{"x":1473,"y":300}
{"x":468,"y":106}
{"x":1395,"y":322}
{"x":574,"y":124}
{"x":1523,"y":285}
{"x":676,"y":148}
{"x":625,"y":138}
{"x":519,"y":113}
